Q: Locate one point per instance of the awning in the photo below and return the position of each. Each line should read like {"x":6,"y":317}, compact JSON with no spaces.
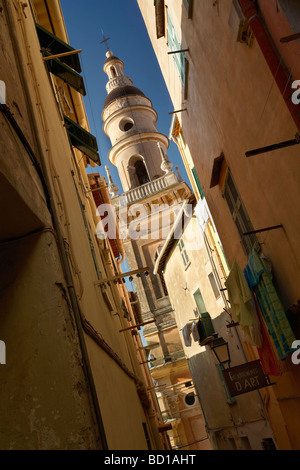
{"x":51,"y":45}
{"x":67,"y":74}
{"x":82,"y":140}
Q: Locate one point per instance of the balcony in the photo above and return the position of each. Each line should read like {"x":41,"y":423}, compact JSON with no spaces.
{"x":149,"y":189}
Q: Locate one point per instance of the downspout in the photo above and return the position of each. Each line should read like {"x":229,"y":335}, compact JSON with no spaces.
{"x":278,"y":70}
{"x":60,"y":240}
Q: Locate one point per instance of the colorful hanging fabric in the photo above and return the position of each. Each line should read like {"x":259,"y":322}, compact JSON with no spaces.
{"x":242,"y":305}
{"x":266,"y":354}
{"x":270,"y":306}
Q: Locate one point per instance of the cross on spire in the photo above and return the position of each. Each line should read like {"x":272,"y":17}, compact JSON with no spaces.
{"x":105,"y":40}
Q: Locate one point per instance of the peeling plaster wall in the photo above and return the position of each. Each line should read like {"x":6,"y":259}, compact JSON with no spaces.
{"x":44,"y":397}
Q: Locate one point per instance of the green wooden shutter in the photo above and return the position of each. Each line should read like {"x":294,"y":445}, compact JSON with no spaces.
{"x":197,"y":182}
{"x":175,"y":45}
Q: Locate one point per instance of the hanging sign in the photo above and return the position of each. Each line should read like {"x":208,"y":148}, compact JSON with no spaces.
{"x":245,"y":378}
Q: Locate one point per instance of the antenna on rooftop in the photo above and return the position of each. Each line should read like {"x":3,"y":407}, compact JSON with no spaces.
{"x":105,"y":40}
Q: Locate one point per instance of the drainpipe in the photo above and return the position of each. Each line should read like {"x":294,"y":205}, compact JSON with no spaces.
{"x":277,"y":68}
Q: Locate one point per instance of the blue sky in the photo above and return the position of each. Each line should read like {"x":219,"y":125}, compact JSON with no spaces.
{"x":122,"y":22}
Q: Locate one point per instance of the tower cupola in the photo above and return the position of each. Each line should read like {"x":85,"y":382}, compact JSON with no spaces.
{"x":130,"y":122}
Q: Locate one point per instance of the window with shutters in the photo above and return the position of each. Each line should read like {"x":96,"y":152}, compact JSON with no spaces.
{"x":175,"y":45}
{"x":214,"y":285}
{"x":184,"y":255}
{"x":239,"y":215}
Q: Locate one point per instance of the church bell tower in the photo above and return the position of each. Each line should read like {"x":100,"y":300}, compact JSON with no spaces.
{"x":139,"y":152}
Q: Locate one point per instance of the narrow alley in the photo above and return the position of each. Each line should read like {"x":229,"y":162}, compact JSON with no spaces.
{"x":149,"y":301}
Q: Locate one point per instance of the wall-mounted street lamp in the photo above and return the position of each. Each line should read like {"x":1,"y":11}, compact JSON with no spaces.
{"x":220,"y":349}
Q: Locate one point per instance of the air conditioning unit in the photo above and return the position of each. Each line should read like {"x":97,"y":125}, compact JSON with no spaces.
{"x":205,"y":329}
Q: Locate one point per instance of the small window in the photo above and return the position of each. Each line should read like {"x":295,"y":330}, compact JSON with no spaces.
{"x":239,"y":215}
{"x":160,"y":17}
{"x":239,"y":25}
{"x":189,"y":5}
{"x":214,"y":286}
{"x":113,"y":72}
{"x":186,"y":79}
{"x":126,"y":124}
{"x":184,"y":255}
{"x":190,"y":399}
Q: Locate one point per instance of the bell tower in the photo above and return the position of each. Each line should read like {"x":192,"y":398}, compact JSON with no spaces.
{"x":139,"y":152}
{"x":138,"y":149}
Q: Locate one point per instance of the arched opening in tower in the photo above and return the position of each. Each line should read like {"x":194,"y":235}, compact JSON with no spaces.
{"x":141,"y":172}
{"x":113,"y":72}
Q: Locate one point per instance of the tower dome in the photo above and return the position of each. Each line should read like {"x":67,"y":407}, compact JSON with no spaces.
{"x":130,"y":122}
{"x":121,"y":92}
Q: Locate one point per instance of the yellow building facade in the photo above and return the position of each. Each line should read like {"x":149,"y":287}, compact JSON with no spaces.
{"x":72,"y":378}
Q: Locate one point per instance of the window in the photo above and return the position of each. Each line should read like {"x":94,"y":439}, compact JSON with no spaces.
{"x":214,"y":286}
{"x":175,"y":45}
{"x":239,"y":215}
{"x":239,"y":25}
{"x":190,"y":399}
{"x":67,"y":75}
{"x":82,"y":140}
{"x":113,"y":72}
{"x":52,"y":45}
{"x":66,"y":67}
{"x":160,"y":17}
{"x":189,"y":5}
{"x":183,"y":253}
{"x":186,"y":77}
{"x":126,"y":124}
{"x":199,"y":302}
